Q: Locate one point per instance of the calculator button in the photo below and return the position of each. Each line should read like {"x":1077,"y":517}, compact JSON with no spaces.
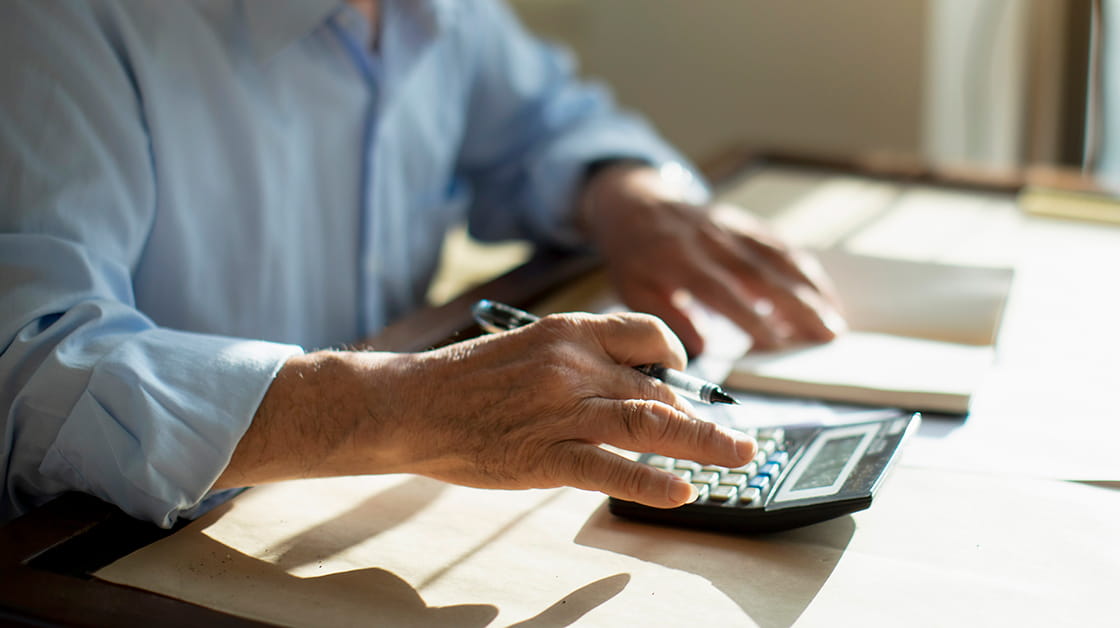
{"x":688,"y":465}
{"x":705,"y":477}
{"x":768,"y":445}
{"x":723,"y":493}
{"x":661,"y":462}
{"x":702,"y":491}
{"x":748,"y":469}
{"x":714,"y":468}
{"x":749,"y":495}
{"x":772,"y":433}
{"x":760,"y":458}
{"x":683,"y":474}
{"x":738,"y":480}
{"x":771,"y":469}
{"x":761,"y":482}
{"x":779,"y":457}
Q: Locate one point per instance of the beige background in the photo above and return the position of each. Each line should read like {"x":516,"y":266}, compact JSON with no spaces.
{"x":959,"y":81}
{"x":821,"y":75}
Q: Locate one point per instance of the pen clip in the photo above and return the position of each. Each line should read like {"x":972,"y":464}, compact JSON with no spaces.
{"x":497,"y":317}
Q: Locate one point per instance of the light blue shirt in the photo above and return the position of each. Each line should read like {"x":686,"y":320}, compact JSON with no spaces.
{"x":192,"y":192}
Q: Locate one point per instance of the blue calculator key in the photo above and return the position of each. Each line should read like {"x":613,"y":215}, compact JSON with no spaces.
{"x":771,"y":469}
{"x":761,"y":482}
{"x":779,"y":457}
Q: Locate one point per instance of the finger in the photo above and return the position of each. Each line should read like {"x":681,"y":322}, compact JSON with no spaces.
{"x":725,"y":293}
{"x":765,"y":248}
{"x":769,"y":271}
{"x":650,"y":426}
{"x":621,"y":383}
{"x":759,"y":251}
{"x":798,"y":271}
{"x":659,"y":302}
{"x":632,"y":339}
{"x":811,"y":268}
{"x":592,"y":468}
{"x":806,"y":313}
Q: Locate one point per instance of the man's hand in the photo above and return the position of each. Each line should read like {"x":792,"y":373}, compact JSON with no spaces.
{"x":527,"y":408}
{"x":661,"y":252}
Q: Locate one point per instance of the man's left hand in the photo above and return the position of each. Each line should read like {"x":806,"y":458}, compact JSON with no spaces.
{"x":660,"y":252}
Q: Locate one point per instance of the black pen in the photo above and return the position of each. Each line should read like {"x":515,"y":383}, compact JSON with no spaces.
{"x":495,"y":317}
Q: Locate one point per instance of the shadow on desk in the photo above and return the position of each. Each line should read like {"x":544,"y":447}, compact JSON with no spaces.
{"x":339,"y":569}
{"x":772,"y":577}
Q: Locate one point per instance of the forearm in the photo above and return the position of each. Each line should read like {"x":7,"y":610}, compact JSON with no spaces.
{"x":326,"y":414}
{"x":523,"y":409}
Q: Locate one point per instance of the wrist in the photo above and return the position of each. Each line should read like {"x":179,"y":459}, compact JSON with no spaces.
{"x":326,"y":413}
{"x":618,"y":190}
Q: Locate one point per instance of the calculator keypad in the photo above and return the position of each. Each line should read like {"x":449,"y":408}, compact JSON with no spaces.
{"x":739,"y":487}
{"x":802,"y":474}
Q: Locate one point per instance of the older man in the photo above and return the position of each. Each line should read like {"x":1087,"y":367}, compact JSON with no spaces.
{"x":198,"y":199}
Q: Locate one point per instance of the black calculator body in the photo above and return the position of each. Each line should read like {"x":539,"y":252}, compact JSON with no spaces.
{"x":801,"y":475}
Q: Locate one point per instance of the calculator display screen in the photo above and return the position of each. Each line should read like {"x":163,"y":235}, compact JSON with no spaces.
{"x":828,"y":463}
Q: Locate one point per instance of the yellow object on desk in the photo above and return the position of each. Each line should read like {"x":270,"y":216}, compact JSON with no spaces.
{"x":1077,"y":205}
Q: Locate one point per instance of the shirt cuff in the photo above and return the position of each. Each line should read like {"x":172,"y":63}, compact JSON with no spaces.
{"x":160,"y":418}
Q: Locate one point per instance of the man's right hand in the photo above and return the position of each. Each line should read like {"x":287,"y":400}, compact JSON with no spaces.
{"x":529,"y":408}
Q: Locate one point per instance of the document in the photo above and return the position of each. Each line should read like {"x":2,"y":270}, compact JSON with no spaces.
{"x":922,"y":337}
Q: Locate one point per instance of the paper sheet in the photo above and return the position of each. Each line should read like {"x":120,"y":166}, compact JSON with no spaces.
{"x":877,"y":369}
{"x":935,"y":549}
{"x":1054,"y":382}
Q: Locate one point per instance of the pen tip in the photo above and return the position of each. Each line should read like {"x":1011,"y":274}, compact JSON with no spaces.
{"x":718,"y":396}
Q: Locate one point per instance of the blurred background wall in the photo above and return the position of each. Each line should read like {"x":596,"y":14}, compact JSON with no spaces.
{"x":992,"y":82}
{"x":984,"y":83}
{"x":1104,"y":146}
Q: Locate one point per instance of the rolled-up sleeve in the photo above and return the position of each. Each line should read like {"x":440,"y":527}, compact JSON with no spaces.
{"x":534,"y":128}
{"x":94,"y":396}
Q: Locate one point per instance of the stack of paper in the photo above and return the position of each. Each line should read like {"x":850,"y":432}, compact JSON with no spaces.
{"x":922,"y":337}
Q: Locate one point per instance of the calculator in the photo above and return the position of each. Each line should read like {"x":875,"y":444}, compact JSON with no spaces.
{"x":802,"y":474}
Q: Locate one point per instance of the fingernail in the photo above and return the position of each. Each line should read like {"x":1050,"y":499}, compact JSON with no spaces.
{"x":682,"y":492}
{"x":745,"y":447}
{"x":835,"y":322}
